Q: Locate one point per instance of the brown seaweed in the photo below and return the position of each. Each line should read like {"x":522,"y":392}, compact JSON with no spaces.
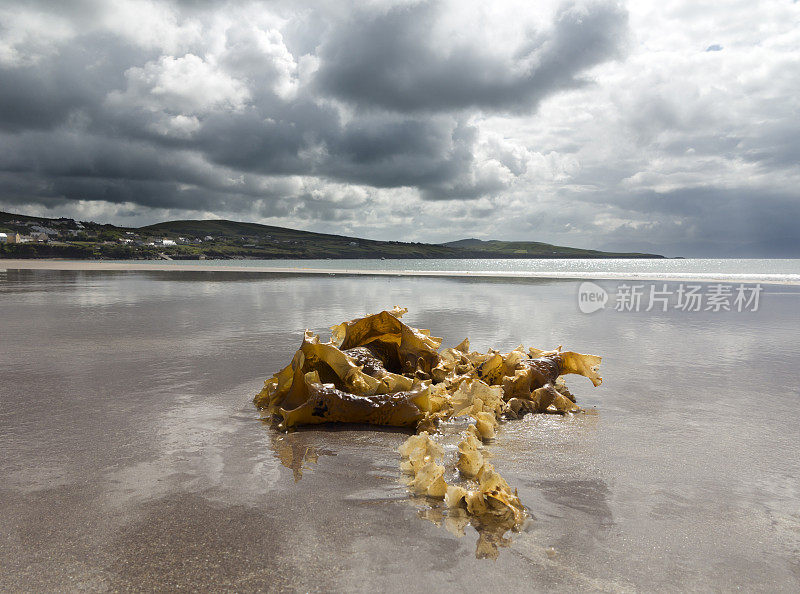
{"x":327,"y":404}
{"x":404,"y":349}
{"x":378,"y":370}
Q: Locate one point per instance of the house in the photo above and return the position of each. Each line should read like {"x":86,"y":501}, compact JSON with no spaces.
{"x":208,"y":238}
{"x":14,"y":238}
{"x":3,"y":238}
{"x":167,"y":242}
{"x":40,"y":237}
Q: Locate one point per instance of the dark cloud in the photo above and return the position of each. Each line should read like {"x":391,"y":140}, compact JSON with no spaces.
{"x":388,"y":152}
{"x":390,"y":60}
{"x":699,"y":221}
{"x":23,"y":190}
{"x":123,"y":113}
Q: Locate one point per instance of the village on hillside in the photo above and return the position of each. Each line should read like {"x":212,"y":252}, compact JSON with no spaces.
{"x":71,"y":238}
{"x":66,"y":230}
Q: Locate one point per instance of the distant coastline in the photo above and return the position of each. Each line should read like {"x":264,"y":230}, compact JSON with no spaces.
{"x":26,"y":237}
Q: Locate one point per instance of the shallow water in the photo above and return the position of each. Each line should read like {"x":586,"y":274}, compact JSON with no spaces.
{"x":132,"y":456}
{"x":733,"y":266}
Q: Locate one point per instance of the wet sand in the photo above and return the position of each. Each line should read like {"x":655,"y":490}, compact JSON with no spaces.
{"x":134,"y":460}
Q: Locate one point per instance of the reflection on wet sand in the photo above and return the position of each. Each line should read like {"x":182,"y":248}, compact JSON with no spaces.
{"x":299,"y":450}
{"x":295,"y":451}
{"x":492,"y":534}
{"x":155,"y":475}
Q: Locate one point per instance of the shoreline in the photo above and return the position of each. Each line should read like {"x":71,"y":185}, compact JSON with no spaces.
{"x":156,"y":266}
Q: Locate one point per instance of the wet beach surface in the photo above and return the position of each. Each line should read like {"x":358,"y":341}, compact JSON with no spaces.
{"x":132,"y":457}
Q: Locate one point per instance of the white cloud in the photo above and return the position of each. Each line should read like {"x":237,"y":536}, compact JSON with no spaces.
{"x":260,"y":56}
{"x":27,"y":36}
{"x":187,"y":85}
{"x":149,"y":24}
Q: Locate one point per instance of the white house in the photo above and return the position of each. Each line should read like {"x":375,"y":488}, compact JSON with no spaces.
{"x":167,"y":242}
{"x":3,"y":237}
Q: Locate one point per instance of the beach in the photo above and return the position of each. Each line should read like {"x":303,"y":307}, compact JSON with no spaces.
{"x":133,"y":458}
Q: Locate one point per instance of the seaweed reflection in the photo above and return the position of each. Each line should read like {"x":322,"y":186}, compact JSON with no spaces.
{"x":493,"y":533}
{"x":295,"y":451}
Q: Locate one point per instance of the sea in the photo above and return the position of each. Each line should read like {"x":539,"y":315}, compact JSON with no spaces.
{"x":133,"y":458}
{"x":776,"y":269}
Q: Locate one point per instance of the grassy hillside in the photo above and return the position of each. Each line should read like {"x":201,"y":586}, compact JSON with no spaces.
{"x":232,"y":239}
{"x":228,"y":229}
{"x":535,"y":249}
{"x":265,"y":241}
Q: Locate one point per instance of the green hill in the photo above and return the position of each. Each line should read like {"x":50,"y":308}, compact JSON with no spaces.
{"x":536,"y":249}
{"x":280,"y":242}
{"x":233,"y":239}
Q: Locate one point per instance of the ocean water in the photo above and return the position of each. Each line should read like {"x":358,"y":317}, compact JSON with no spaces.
{"x":577,"y":265}
{"x":778,"y":271}
{"x":132,"y":456}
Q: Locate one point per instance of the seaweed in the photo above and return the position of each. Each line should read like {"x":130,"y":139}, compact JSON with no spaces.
{"x":378,"y":370}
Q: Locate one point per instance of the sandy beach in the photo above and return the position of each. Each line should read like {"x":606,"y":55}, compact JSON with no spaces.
{"x":133,"y":458}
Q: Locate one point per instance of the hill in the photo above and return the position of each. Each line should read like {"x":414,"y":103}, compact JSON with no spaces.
{"x":535,"y":249}
{"x":282,"y":242}
{"x":197,"y":239}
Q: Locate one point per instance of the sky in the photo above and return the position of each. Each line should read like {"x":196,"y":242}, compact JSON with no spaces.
{"x":665,"y":126}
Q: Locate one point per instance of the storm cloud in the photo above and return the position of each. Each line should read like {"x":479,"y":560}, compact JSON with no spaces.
{"x":393,"y":61}
{"x":582,"y":123}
